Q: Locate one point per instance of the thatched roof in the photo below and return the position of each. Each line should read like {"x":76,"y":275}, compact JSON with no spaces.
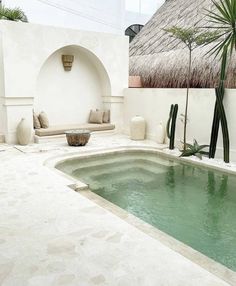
{"x":162,"y":61}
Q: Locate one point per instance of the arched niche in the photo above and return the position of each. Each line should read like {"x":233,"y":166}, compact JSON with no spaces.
{"x":68,"y":96}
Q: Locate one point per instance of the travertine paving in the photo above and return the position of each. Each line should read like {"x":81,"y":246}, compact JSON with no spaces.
{"x":51,"y":235}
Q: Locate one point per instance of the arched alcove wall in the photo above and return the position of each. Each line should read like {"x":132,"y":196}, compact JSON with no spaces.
{"x":68,"y":96}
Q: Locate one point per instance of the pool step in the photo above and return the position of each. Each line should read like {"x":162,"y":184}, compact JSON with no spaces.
{"x":104,"y":165}
{"x":118,"y":167}
{"x":134,"y":177}
{"x":86,"y":163}
{"x":100,"y":160}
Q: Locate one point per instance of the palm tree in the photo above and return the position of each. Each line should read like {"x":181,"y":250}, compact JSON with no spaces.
{"x":12,"y":14}
{"x":223,"y":19}
{"x":191,"y":38}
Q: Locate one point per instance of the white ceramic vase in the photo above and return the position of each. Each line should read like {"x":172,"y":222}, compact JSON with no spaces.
{"x":137,"y":128}
{"x":23,"y":132}
{"x":160,"y":133}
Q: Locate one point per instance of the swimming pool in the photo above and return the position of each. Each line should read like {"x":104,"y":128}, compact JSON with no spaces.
{"x":192,"y":204}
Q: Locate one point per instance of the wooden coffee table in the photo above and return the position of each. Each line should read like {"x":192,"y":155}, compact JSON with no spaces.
{"x":77,"y":137}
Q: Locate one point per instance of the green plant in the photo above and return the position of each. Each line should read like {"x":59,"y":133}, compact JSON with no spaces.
{"x":192,"y":38}
{"x":219,"y":114}
{"x":194,"y":150}
{"x":12,"y":14}
{"x":172,"y":121}
{"x":169,"y":120}
{"x":223,"y":19}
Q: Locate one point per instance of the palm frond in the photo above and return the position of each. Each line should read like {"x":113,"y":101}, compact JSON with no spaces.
{"x":223,"y":17}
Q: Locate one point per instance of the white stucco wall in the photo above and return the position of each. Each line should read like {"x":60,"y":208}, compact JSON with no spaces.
{"x":154,"y":106}
{"x":72,"y":93}
{"x":2,"y":116}
{"x":27,"y":47}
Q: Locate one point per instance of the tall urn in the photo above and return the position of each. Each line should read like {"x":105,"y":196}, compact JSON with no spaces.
{"x":137,"y":128}
{"x":24,"y":132}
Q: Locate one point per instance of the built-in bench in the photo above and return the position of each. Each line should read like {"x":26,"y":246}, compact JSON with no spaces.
{"x":60,"y":129}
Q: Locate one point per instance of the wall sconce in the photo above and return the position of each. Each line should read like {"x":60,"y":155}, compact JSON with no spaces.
{"x":67,"y":61}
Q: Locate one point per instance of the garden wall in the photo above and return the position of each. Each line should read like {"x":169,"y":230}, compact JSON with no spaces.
{"x":1,"y":94}
{"x":32,"y":75}
{"x":154,"y":105}
{"x":67,"y":97}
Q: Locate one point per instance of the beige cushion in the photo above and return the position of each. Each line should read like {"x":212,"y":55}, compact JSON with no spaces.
{"x":44,"y":122}
{"x":60,"y":129}
{"x":36,"y":121}
{"x":106,"y":116}
{"x":96,"y":116}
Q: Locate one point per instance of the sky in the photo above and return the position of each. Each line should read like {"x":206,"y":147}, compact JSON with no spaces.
{"x":98,"y":15}
{"x":146,"y":6}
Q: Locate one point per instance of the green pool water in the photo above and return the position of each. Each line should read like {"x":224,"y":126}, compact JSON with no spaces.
{"x":194,"y":205}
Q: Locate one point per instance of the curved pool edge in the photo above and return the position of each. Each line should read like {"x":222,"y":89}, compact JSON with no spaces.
{"x":166,"y":153}
{"x":198,"y":258}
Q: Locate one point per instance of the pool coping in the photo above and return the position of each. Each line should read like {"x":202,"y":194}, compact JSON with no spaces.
{"x":193,"y":255}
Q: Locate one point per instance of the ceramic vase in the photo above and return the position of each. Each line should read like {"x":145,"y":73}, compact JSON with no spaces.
{"x":137,"y":128}
{"x":160,"y":133}
{"x":23,"y":132}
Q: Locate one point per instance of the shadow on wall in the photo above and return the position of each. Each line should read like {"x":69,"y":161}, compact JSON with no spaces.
{"x":68,"y":96}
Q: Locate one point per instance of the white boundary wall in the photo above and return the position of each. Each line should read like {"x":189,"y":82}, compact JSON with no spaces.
{"x":154,"y":106}
{"x":29,"y":53}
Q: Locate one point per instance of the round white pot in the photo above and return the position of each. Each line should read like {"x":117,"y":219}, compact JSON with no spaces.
{"x":137,"y":128}
{"x":24,"y":132}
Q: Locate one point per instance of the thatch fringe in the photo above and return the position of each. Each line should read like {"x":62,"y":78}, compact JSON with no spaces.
{"x":162,"y":61}
{"x":169,"y":69}
{"x":183,"y":13}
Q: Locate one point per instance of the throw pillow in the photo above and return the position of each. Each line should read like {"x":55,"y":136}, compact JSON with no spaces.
{"x":106,"y":116}
{"x":44,"y":122}
{"x":96,"y":117}
{"x":36,"y":121}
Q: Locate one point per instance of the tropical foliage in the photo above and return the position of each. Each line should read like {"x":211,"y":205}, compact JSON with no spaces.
{"x":223,"y":20}
{"x":194,"y":150}
{"x":12,"y":14}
